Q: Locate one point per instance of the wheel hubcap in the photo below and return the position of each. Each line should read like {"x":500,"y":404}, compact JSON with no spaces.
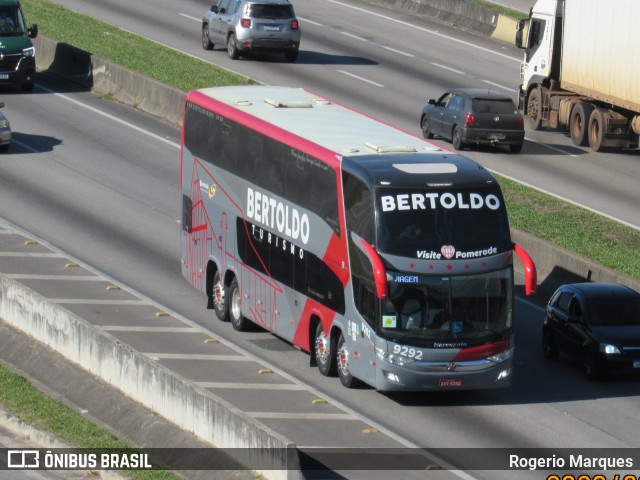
{"x":218,"y":296}
{"x":235,"y":304}
{"x":322,"y":348}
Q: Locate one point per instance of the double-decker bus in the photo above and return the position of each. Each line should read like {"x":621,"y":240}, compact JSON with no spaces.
{"x":385,"y":257}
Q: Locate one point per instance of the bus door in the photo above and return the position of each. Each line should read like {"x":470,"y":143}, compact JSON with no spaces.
{"x":199,"y":237}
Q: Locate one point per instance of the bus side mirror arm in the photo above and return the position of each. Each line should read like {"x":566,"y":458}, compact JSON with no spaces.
{"x":530,"y":273}
{"x":379,"y":272}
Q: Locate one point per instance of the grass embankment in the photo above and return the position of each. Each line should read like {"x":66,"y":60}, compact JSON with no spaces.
{"x":583,"y":232}
{"x":20,"y":398}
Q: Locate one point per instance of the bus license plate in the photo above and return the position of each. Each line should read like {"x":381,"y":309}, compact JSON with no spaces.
{"x":636,"y":364}
{"x":4,"y":76}
{"x":450,"y":382}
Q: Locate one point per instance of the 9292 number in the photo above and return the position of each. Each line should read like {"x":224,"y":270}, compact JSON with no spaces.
{"x":407,"y":352}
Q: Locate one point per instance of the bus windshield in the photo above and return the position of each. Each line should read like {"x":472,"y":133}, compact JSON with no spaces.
{"x":466,"y":310}
{"x":416,"y":222}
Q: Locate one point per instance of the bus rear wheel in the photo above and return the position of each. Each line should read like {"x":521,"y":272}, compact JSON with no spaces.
{"x":220,"y":302}
{"x":323,"y":353}
{"x":342,"y":357}
{"x":235,"y":308}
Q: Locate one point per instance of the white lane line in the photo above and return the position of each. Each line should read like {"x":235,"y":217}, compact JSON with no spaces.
{"x":82,"y":301}
{"x":31,"y":255}
{"x":317,"y":24}
{"x":351,"y":35}
{"x":252,"y":386}
{"x":361,"y":78}
{"x":303,"y":416}
{"x":71,"y":278}
{"x":444,"y":67}
{"x":426,"y":30}
{"x":197,"y":19}
{"x":400,"y":52}
{"x":196,"y":356}
{"x":110,"y":117}
{"x":508,"y":89}
{"x":122,"y":328}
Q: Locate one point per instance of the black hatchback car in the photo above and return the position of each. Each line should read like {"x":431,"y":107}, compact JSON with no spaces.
{"x":469,"y":116}
{"x":597,"y":323}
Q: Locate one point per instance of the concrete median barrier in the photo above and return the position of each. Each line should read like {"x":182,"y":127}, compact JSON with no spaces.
{"x":157,"y":388}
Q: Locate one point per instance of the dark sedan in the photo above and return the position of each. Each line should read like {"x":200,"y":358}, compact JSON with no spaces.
{"x":468,"y":116}
{"x":597,"y":323}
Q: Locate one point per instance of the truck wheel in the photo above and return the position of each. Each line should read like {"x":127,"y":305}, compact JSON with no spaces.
{"x":578,"y":123}
{"x":534,"y":109}
{"x":597,"y":127}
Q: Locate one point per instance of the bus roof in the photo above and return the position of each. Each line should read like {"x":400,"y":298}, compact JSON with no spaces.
{"x":376,"y":151}
{"x":332,"y":126}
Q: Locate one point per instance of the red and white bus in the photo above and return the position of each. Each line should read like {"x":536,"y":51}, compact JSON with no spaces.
{"x":387,"y":258}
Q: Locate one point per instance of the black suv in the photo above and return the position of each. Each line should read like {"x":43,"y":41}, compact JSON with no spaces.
{"x":468,"y":116}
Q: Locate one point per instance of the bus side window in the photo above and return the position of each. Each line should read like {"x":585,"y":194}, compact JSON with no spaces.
{"x":187,"y":206}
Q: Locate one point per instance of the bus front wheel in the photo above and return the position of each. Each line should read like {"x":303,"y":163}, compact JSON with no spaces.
{"x":343,"y":356}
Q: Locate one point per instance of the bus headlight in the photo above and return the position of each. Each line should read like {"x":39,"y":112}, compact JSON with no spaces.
{"x":29,"y":52}
{"x":502,"y":356}
{"x":609,"y":349}
{"x":393,"y":358}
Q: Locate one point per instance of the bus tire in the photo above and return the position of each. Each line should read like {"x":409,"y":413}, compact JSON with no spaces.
{"x":323,"y":353}
{"x":342,"y":360}
{"x":235,"y":308}
{"x":220,"y":298}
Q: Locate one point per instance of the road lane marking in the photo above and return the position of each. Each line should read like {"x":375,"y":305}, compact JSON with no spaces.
{"x":302,"y":416}
{"x":400,"y":52}
{"x":197,"y":356}
{"x":252,"y":386}
{"x":444,"y":67}
{"x":351,"y":35}
{"x":122,"y":328}
{"x":82,"y":301}
{"x":361,"y":78}
{"x":426,"y":30}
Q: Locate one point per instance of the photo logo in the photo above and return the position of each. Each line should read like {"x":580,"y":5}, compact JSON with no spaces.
{"x":23,"y":459}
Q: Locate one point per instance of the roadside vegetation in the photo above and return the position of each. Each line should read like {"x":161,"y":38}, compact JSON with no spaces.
{"x":583,"y":232}
{"x":23,"y":400}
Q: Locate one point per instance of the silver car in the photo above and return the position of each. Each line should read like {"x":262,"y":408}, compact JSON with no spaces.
{"x":252,"y":26}
{"x":5,"y":132}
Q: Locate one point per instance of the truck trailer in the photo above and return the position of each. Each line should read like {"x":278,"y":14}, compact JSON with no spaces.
{"x":581,"y":70}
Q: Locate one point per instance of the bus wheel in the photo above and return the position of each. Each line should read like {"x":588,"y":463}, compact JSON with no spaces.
{"x":342,"y":357}
{"x":235,"y":308}
{"x":322,"y":351}
{"x":220,"y":303}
